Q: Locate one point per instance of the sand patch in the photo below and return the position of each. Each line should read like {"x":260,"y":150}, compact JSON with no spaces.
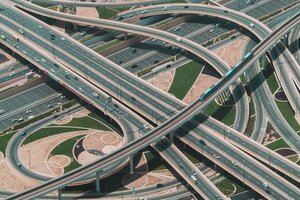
{"x":231,"y":53}
{"x":202,"y":83}
{"x":100,"y":139}
{"x":87,"y":12}
{"x":34,"y":155}
{"x":85,"y":158}
{"x":64,"y":120}
{"x":141,"y":180}
{"x":12,"y":180}
{"x":163,"y":81}
{"x":1,"y":156}
{"x":81,"y":113}
{"x":62,"y":160}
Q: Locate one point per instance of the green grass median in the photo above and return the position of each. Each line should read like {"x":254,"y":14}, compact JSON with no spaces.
{"x":4,"y":139}
{"x":66,"y":148}
{"x":185,"y":76}
{"x":87,"y":122}
{"x":49,"y":131}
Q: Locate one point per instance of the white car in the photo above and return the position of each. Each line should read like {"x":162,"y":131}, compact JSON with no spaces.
{"x":21,"y":31}
{"x":145,"y":126}
{"x":52,"y":70}
{"x":37,"y":59}
{"x":81,"y":90}
{"x":25,"y":52}
{"x":40,"y":26}
{"x":43,"y":60}
{"x":234,"y":163}
{"x":62,"y":38}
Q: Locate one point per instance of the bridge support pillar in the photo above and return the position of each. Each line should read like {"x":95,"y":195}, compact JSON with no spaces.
{"x":98,"y":182}
{"x":59,"y":197}
{"x":131,"y":164}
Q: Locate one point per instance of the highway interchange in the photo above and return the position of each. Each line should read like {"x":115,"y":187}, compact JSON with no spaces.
{"x":214,"y":144}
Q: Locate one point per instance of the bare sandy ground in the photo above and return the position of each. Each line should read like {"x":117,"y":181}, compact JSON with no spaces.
{"x":81,"y":113}
{"x":164,"y":80}
{"x":38,"y":152}
{"x":231,"y":53}
{"x":87,"y":12}
{"x":141,"y":180}
{"x":11,"y":180}
{"x":1,"y":156}
{"x":103,"y":141}
{"x":64,"y":120}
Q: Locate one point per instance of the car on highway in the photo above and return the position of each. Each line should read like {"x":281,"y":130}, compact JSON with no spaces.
{"x":252,"y":25}
{"x":43,"y":60}
{"x":3,"y":37}
{"x":20,"y":119}
{"x":181,"y":166}
{"x":21,"y":31}
{"x":96,"y":95}
{"x":165,"y":8}
{"x":28,"y":112}
{"x":49,"y":106}
{"x":201,"y":141}
{"x":12,"y":74}
{"x":25,"y":52}
{"x":62,"y":38}
{"x":52,"y":70}
{"x":36,"y":59}
{"x":2,"y":111}
{"x":178,"y":39}
{"x":211,"y":30}
{"x":193,"y":172}
{"x":265,"y":184}
{"x":14,"y":120}
{"x":216,"y":155}
{"x":81,"y":90}
{"x":40,"y":26}
{"x":234,"y":163}
{"x":145,"y":126}
{"x":194,"y":179}
{"x":56,"y":65}
{"x":19,"y":164}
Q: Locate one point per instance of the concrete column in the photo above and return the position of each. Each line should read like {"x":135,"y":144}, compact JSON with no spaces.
{"x":98,"y":182}
{"x":59,"y":194}
{"x":131,"y":164}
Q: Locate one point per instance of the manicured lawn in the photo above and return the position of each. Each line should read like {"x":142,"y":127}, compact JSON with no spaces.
{"x":66,"y":148}
{"x":4,"y":139}
{"x":106,"y":13}
{"x":87,"y":122}
{"x":293,"y":158}
{"x":53,"y":8}
{"x":45,"y":132}
{"x":277,"y":144}
{"x":105,"y":120}
{"x":288,"y":114}
{"x":251,"y":107}
{"x":184,"y":79}
{"x":269,"y":75}
{"x":250,"y":126}
{"x":226,"y":114}
{"x":225,"y":186}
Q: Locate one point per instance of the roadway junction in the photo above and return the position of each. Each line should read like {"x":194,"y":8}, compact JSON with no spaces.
{"x":159,"y":117}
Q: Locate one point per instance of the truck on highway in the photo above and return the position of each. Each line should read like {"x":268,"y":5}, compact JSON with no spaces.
{"x":194,"y":179}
